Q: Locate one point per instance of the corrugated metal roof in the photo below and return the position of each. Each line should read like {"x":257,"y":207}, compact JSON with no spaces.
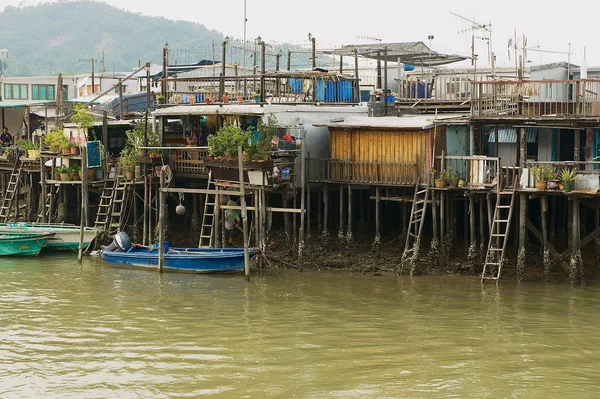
{"x":421,"y":122}
{"x":509,"y":135}
{"x":210,"y":110}
{"x":22,"y":103}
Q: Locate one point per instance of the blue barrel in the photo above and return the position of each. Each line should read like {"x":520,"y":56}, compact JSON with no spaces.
{"x":365,"y":96}
{"x":330,"y":91}
{"x":200,"y":98}
{"x":345,"y":91}
{"x":295,"y":85}
{"x":390,"y":99}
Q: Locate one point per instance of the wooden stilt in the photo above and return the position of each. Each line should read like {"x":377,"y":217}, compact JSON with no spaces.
{"x":575,"y":240}
{"x":325,"y":209}
{"x":161,"y":222}
{"x":319,"y":210}
{"x":361,"y":199}
{"x":552,"y":234}
{"x":434,"y":214}
{"x":84,"y":203}
{"x":349,"y":222}
{"x":544,"y":203}
{"x":472,"y":219}
{"x":482,"y":226}
{"x":308,"y":196}
{"x":244,"y":213}
{"x":286,"y":216}
{"x":256,"y":203}
{"x":377,"y":218}
{"x":442,"y":216}
{"x":490,"y":213}
{"x":217,"y":218}
{"x":341,"y":229}
{"x":522,"y":220}
{"x":295,"y":219}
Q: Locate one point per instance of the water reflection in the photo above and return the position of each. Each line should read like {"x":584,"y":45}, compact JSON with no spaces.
{"x":93,"y":331}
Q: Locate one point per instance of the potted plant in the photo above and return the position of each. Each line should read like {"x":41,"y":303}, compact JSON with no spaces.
{"x":454,"y":178}
{"x":567,"y":176}
{"x":542,"y":172}
{"x":33,"y":149}
{"x":75,"y":171}
{"x":65,"y":147}
{"x":64,"y":173}
{"x":225,"y":142}
{"x":55,"y":140}
{"x":439,"y":181}
{"x":74,"y":147}
{"x":129,"y":160}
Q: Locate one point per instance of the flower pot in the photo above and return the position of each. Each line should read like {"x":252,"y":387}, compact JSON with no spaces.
{"x":240,"y":99}
{"x":440,"y":183}
{"x":210,"y":157}
{"x":129,"y":175}
{"x":90,"y":174}
{"x":453,"y":183}
{"x":66,"y":151}
{"x":257,"y":99}
{"x":75,"y":176}
{"x":74,"y":150}
{"x":33,"y":154}
{"x":462,"y":183}
{"x":225,"y":99}
{"x":65,"y":177}
{"x":540,"y":185}
{"x":561,"y":186}
{"x":552,"y":184}
{"x":568,"y":186}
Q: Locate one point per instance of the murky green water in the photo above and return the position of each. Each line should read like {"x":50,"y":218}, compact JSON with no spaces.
{"x":91,"y":331}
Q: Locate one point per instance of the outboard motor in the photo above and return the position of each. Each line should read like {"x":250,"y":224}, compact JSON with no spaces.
{"x":121,"y":243}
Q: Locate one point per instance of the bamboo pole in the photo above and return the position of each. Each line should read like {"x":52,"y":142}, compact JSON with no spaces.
{"x":161,"y":222}
{"x":244,"y":213}
{"x":84,"y":202}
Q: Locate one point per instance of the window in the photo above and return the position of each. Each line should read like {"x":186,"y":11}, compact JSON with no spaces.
{"x":65,"y":92}
{"x":15,"y":91}
{"x":42,"y":92}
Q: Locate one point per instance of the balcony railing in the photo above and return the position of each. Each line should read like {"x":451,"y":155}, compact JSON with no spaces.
{"x":184,"y":161}
{"x":335,"y":170}
{"x":477,"y":171}
{"x":588,"y":173}
{"x":536,"y":98}
{"x":275,"y":88}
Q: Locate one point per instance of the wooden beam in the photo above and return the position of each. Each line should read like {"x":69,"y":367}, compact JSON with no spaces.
{"x":565,"y":266}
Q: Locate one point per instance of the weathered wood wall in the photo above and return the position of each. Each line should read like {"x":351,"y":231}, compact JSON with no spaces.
{"x":380,"y":146}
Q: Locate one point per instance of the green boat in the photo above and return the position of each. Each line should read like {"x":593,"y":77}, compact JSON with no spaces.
{"x":23,"y":244}
{"x":66,"y":236}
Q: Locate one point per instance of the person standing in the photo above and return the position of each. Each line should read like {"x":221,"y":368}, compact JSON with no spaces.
{"x":6,"y":138}
{"x":232,"y":220}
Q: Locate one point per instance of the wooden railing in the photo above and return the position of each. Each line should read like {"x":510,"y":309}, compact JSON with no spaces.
{"x":589,"y":169}
{"x":476,"y":170}
{"x":275,"y":88}
{"x":536,"y":98}
{"x":335,"y":170}
{"x":185,"y":161}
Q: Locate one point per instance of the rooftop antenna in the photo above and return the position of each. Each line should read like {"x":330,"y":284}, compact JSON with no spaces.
{"x":486,"y":34}
{"x":369,"y":38}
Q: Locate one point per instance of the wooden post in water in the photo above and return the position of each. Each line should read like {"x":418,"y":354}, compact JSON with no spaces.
{"x":244,"y":213}
{"x":442,"y":216}
{"x":522,"y":220}
{"x":161,"y":222}
{"x":145,"y":210}
{"x":319,"y":210}
{"x":482,"y":220}
{"x":256,"y":218}
{"x":84,"y":203}
{"x":472,"y":219}
{"x":349,"y":223}
{"x":377,"y":218}
{"x":44,"y":190}
{"x":544,"y":206}
{"x":325,"y":209}
{"x":217,"y":218}
{"x":341,"y":230}
{"x":434,"y":214}
{"x":575,"y":240}
{"x":307,"y":197}
{"x":302,"y":199}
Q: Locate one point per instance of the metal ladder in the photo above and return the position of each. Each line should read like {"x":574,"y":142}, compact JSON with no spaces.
{"x":499,"y":230}
{"x":106,"y":197}
{"x":50,"y":199}
{"x":208,"y":216}
{"x":11,"y":189}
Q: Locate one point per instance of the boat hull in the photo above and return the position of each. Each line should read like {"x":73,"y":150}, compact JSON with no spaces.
{"x":190,"y":260}
{"x":22,"y":244}
{"x":65,"y":237}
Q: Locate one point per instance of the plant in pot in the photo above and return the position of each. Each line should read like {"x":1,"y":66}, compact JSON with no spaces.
{"x":64,"y":172}
{"x":454,"y":177}
{"x":129,"y":160}
{"x":33,"y":149}
{"x":542,"y":172}
{"x":260,"y":142}
{"x":437,"y":177}
{"x":74,"y":147}
{"x":55,"y":139}
{"x":65,"y":147}
{"x":225,"y":142}
{"x":567,"y":176}
{"x":75,"y":171}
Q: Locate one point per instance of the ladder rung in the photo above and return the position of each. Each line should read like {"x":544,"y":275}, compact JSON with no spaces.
{"x":498,"y":235}
{"x":205,"y":236}
{"x":421,"y":192}
{"x":416,"y":221}
{"x":492,"y":263}
{"x":496,"y":249}
{"x":101,"y":213}
{"x":501,"y":221}
{"x":503,"y":206}
{"x":489,"y":278}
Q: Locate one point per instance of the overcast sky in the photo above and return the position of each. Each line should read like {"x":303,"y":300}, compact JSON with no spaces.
{"x":549,"y":26}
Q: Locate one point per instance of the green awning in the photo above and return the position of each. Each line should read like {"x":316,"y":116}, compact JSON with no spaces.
{"x":23,"y":103}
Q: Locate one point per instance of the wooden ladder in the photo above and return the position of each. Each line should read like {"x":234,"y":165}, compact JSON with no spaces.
{"x":11,"y":189}
{"x":118,"y":205}
{"x":416,"y":221}
{"x":50,"y":200}
{"x":106,"y":197}
{"x":499,"y":230}
{"x":208,"y":216}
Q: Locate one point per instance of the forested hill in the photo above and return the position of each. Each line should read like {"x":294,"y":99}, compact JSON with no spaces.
{"x":63,"y":37}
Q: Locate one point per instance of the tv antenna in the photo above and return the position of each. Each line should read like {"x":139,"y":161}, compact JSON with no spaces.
{"x":484,"y":32}
{"x":369,"y":38}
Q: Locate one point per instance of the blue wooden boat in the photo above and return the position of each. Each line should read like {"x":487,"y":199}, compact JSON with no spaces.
{"x":192,"y":260}
{"x":23,"y":244}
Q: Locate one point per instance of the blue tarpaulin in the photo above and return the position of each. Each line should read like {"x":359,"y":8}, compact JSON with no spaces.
{"x":509,"y":135}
